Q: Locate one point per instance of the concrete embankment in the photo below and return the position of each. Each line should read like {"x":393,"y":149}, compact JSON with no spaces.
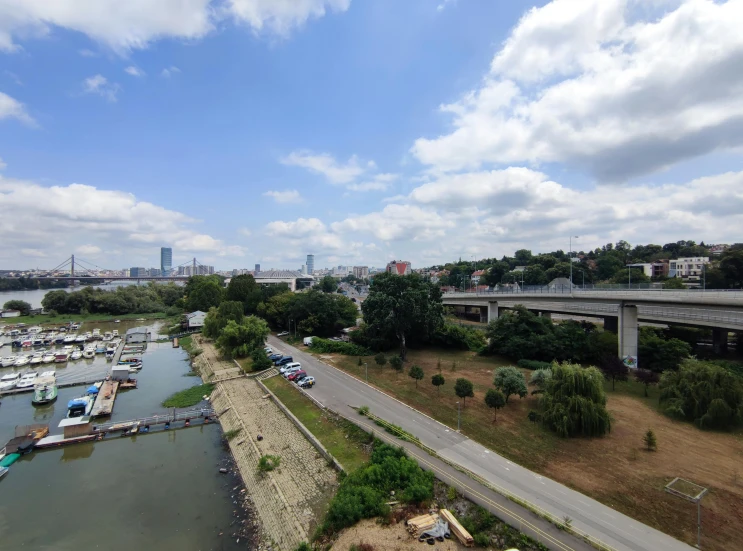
{"x":289,"y":500}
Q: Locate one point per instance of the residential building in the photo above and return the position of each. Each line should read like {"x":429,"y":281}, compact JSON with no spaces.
{"x":399,"y":267}
{"x":647,"y":268}
{"x":194,"y":320}
{"x":340,"y":271}
{"x":660,"y":268}
{"x":137,"y":272}
{"x":166,"y":260}
{"x":477,"y":275}
{"x":310,"y":264}
{"x":154,"y":272}
{"x":690,"y":269}
{"x":361,"y":272}
{"x":303,"y":269}
{"x":717,"y":250}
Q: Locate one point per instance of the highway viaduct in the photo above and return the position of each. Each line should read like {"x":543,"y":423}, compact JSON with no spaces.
{"x":621,"y":310}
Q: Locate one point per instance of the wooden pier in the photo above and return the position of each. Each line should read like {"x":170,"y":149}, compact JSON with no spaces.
{"x":104,"y":402}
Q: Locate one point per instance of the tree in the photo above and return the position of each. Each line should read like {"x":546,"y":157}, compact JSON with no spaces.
{"x":260,"y":360}
{"x":381,"y":359}
{"x":416,"y":372}
{"x":244,"y":289}
{"x":495,"y":399}
{"x":614,"y":369}
{"x":328,"y":284}
{"x":464,"y":389}
{"x":405,"y":306}
{"x":495,"y":274}
{"x":55,"y":300}
{"x":240,"y":340}
{"x":21,"y":305}
{"x":647,"y":378}
{"x":703,"y":393}
{"x":520,"y":334}
{"x":535,"y":275}
{"x":510,"y":380}
{"x":574,"y":402}
{"x":660,"y":354}
{"x":217,"y":318}
{"x":203,"y":292}
{"x":396,"y":363}
{"x":650,"y":441}
{"x":673,"y":283}
{"x":438,"y":381}
{"x":539,"y":378}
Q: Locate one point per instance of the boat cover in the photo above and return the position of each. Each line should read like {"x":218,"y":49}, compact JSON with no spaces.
{"x":76,"y":402}
{"x":439,"y":530}
{"x":92,"y":390}
{"x":9,"y":459}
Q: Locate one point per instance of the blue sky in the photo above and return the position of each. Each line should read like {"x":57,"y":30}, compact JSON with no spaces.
{"x":244,"y":131}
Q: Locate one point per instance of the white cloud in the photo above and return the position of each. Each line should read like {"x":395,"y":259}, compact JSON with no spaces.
{"x":100,"y":85}
{"x":394,"y":222}
{"x":77,"y":215}
{"x":134,"y":71}
{"x":87,"y":53}
{"x":245,"y":232}
{"x":325,"y":164}
{"x":311,"y":233}
{"x":442,"y":5}
{"x":134,"y":24}
{"x":89,"y":250}
{"x":605,"y":87}
{"x":35,"y":253}
{"x":288,"y":196}
{"x":13,"y":109}
{"x":169,"y":71}
{"x":3,"y":164}
{"x":282,"y":16}
{"x":379,"y":182}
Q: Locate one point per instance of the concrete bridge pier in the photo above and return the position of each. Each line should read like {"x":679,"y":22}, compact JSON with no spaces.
{"x":611,"y":323}
{"x":627,"y":330}
{"x":547,"y":315}
{"x":720,"y":340}
{"x":490,"y":313}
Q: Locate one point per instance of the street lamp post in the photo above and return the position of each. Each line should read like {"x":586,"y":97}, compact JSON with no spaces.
{"x":459,"y":417}
{"x":366,"y":369}
{"x":571,"y":260}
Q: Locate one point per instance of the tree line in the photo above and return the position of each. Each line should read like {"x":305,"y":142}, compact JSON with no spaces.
{"x":129,"y":299}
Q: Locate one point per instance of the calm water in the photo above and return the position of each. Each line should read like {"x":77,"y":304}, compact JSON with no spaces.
{"x":154,"y":491}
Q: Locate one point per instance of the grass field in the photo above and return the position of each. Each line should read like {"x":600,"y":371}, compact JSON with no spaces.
{"x":615,"y":470}
{"x":342,"y":439}
{"x":64,"y":318}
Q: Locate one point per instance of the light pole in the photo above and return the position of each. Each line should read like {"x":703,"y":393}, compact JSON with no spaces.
{"x":583,"y":273}
{"x":571,"y":260}
{"x":459,"y":417}
{"x":366,"y":369}
{"x":629,"y":272}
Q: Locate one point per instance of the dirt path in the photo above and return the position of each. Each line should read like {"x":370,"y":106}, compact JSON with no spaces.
{"x":290,"y":499}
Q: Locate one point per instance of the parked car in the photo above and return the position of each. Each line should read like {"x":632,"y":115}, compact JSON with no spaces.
{"x":274,"y":357}
{"x":307,"y":382}
{"x":268,"y":350}
{"x":307,"y":341}
{"x":283,"y":334}
{"x":283,"y":361}
{"x":289,"y":366}
{"x":297,"y":375}
{"x":291,"y":371}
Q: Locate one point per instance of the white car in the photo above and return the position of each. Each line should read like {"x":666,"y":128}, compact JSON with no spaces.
{"x":307,"y":341}
{"x":290,"y":366}
{"x":28,"y":380}
{"x":307,"y":382}
{"x":9,"y":381}
{"x":283,"y":334}
{"x":291,"y":371}
{"x":268,"y":350}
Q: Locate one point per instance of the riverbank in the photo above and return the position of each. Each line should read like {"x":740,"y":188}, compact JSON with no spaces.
{"x":81,"y":318}
{"x":290,"y":501}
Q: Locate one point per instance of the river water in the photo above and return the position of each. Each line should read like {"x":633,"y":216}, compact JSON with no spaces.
{"x":159,"y":491}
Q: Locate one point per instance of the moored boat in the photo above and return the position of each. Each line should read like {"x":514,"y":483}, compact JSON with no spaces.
{"x":27,"y":380}
{"x":21,"y":361}
{"x":89,"y":352}
{"x":76,"y":355}
{"x":62,"y":356}
{"x":9,"y":381}
{"x":37,"y":357}
{"x":45,"y":390}
{"x":77,"y":407}
{"x":80,"y":338}
{"x":48,"y":358}
{"x":70,"y":338}
{"x":8,"y":361}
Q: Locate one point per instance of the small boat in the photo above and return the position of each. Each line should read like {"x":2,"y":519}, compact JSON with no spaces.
{"x":37,"y":341}
{"x":89,"y":352}
{"x":77,"y":407}
{"x":96,"y":333}
{"x":107,"y":336}
{"x":135,"y":368}
{"x":80,"y":338}
{"x":8,"y":361}
{"x":27,"y":380}
{"x":38,"y":357}
{"x":45,"y":390}
{"x":100,"y":348}
{"x":59,"y":339}
{"x":61,"y":356}
{"x":76,"y":355}
{"x":48,"y":357}
{"x":70,"y":338}
{"x":49,"y":340}
{"x":115,"y":333}
{"x":131,"y":360}
{"x":27,"y":343}
{"x":9,"y":381}
{"x":21,"y":361}
{"x":74,"y":326}
{"x":34,"y":329}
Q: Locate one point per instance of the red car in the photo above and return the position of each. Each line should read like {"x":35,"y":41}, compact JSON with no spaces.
{"x":297,"y":375}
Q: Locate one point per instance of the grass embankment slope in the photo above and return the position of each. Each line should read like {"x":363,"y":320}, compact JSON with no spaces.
{"x":188,"y":397}
{"x":615,"y":470}
{"x":64,"y":318}
{"x":341,"y":438}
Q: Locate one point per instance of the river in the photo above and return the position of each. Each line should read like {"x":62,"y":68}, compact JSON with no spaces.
{"x":161,"y":490}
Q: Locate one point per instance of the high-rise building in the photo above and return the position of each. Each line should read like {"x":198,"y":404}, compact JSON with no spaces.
{"x":310,"y":264}
{"x":303,"y":269}
{"x":399,"y":267}
{"x":137,"y":272}
{"x":361,"y":272}
{"x":166,"y":260}
{"x":257,"y":268}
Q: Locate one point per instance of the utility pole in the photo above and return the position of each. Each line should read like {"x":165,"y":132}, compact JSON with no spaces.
{"x":459,"y":417}
{"x":194,"y":266}
{"x":571,"y":261}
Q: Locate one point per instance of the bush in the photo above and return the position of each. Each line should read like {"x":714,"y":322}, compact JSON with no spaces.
{"x":450,"y":335}
{"x":703,"y":393}
{"x":268,"y":463}
{"x":363,"y":410}
{"x":510,"y":380}
{"x":533,"y":364}
{"x":540,"y":377}
{"x":326,"y":346}
{"x":396,"y":363}
{"x":380,"y":359}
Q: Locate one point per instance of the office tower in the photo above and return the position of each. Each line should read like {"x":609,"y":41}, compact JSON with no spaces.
{"x":166,"y":260}
{"x":257,"y":268}
{"x":310,"y":263}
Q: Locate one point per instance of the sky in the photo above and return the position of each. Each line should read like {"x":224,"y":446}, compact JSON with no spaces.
{"x":258,"y":131}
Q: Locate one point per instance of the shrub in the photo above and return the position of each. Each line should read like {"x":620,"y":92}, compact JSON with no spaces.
{"x":326,"y":346}
{"x":230,"y":434}
{"x":363,"y":410}
{"x":268,"y":463}
{"x":481,"y":540}
{"x":438,"y":381}
{"x":381,"y":359}
{"x":540,"y":377}
{"x":533,"y":364}
{"x":464,"y":389}
{"x":304,"y":546}
{"x":396,"y":363}
{"x":651,"y":443}
{"x":510,"y":380}
{"x":450,"y":335}
{"x":416,"y":373}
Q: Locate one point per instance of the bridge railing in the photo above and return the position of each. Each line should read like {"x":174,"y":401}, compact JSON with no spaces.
{"x":651,"y":288}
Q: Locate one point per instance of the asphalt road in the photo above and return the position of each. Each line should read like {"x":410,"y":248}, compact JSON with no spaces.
{"x":339,"y":391}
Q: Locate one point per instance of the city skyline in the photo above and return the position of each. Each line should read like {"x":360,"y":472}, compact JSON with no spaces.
{"x":366,"y":132}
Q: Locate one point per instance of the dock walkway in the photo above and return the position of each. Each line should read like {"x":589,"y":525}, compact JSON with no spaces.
{"x":104,"y":401}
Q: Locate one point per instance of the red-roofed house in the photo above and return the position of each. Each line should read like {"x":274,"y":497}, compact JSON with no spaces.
{"x":477,"y":275}
{"x":399,"y":267}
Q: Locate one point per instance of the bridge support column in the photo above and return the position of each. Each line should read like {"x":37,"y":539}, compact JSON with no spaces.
{"x":547,"y":315}
{"x":628,"y":331}
{"x":492,"y":311}
{"x":611,"y":323}
{"x":720,"y":340}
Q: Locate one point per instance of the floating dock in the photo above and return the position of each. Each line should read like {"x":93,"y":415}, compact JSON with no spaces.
{"x":104,"y":402}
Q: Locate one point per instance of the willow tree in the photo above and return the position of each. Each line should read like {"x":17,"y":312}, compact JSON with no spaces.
{"x":574,"y":401}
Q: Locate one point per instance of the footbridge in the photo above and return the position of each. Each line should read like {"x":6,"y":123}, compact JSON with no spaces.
{"x":621,"y":309}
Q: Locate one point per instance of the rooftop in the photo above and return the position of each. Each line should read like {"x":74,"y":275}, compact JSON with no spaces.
{"x":135,"y":330}
{"x":278,"y":274}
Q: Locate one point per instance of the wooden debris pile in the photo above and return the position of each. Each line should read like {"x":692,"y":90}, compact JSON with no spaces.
{"x":418,"y":525}
{"x":457,"y":529}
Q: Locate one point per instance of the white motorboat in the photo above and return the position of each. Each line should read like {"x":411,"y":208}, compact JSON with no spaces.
{"x":9,"y":381}
{"x":8,"y":361}
{"x":115,"y":333}
{"x":38,"y":340}
{"x":100,"y":348}
{"x":77,"y":407}
{"x":62,"y":356}
{"x":89,"y":352}
{"x":107,"y":336}
{"x":76,"y":355}
{"x":27,"y":380}
{"x":38,"y":357}
{"x":21,"y":361}
{"x":80,"y":338}
{"x":96,"y":333}
{"x":48,"y":358}
{"x":70,"y":338}
{"x":34,"y":329}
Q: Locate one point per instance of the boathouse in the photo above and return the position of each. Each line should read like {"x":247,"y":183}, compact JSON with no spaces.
{"x":138,"y":334}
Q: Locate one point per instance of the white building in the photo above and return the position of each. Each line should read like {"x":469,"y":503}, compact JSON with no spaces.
{"x":361,"y":272}
{"x":195,"y":319}
{"x":690,"y":269}
{"x":137,"y":335}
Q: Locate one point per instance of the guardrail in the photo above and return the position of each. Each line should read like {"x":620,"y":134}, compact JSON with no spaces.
{"x":162,"y":418}
{"x":575,"y":289}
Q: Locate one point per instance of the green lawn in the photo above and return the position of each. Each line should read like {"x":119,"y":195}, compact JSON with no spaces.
{"x":341,"y":438}
{"x":64,"y":318}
